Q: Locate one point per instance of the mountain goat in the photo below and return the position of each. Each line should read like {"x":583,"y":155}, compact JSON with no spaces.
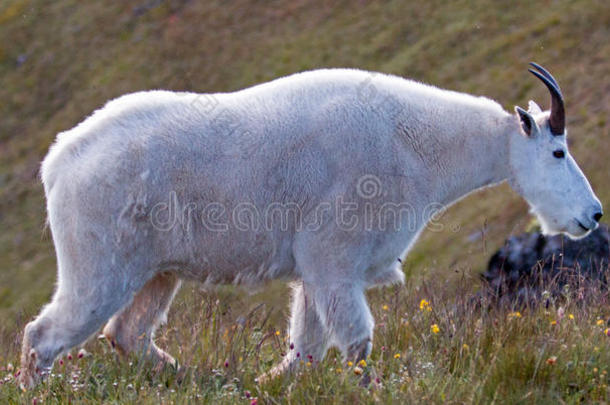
{"x":324,"y":178}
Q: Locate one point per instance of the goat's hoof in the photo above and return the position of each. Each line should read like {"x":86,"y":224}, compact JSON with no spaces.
{"x":27,"y":380}
{"x":266,"y":377}
{"x":282,"y":368}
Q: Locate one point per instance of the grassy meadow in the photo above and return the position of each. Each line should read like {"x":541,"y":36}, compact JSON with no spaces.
{"x":60,"y":60}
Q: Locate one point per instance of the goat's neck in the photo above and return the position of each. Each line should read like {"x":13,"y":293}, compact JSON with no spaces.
{"x":484,"y":159}
{"x":469,"y":157}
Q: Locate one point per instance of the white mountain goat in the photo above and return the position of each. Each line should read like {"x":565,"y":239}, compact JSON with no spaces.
{"x":324,"y":178}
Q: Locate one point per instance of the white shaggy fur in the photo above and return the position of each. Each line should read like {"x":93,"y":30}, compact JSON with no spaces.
{"x":160,"y":186}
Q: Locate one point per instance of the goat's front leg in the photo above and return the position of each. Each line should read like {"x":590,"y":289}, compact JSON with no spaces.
{"x":307,"y":334}
{"x":333,"y":265}
{"x":328,"y":314}
{"x":345,"y":313}
{"x":345,"y":317}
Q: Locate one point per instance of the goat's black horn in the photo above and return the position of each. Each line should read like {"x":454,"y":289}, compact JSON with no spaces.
{"x":557,"y":120}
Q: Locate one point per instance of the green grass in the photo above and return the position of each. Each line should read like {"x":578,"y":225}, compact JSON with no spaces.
{"x":552,"y":353}
{"x":77,"y":55}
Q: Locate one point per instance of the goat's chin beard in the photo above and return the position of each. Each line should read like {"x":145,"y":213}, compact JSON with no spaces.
{"x":578,"y":235}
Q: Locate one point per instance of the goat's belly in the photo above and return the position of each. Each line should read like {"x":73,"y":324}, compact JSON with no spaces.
{"x":239,"y":261}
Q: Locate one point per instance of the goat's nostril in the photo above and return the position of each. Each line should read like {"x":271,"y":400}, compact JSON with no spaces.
{"x":597,"y":216}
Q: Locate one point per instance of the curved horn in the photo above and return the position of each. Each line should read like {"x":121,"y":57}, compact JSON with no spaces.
{"x":557,"y":119}
{"x":545,"y":73}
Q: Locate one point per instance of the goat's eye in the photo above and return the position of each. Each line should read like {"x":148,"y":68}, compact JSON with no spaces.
{"x":559,"y":154}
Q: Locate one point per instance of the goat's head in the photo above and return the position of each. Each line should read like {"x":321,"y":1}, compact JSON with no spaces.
{"x":544,"y":172}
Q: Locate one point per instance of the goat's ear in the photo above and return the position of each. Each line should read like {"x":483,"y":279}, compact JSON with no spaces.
{"x":528,"y":124}
{"x":533,"y":108}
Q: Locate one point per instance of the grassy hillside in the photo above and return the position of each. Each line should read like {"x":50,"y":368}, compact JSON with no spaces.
{"x":61,"y":60}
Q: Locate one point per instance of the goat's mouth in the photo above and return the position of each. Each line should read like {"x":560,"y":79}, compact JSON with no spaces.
{"x":591,"y":225}
{"x":584,"y":228}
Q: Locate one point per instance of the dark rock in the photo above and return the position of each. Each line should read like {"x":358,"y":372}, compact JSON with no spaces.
{"x":529,"y":264}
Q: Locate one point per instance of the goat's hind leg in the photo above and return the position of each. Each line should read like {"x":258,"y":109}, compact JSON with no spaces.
{"x":79,"y":307}
{"x":132,"y":329}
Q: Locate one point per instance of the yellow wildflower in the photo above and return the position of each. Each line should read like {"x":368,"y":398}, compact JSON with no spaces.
{"x":362,"y":363}
{"x":385,"y":307}
{"x":349,"y":364}
{"x":599,"y":322}
{"x":465,"y":347}
{"x":339,"y":370}
{"x":571,"y":316}
{"x":397,"y":356}
{"x":424,"y":305}
{"x":277,"y":333}
{"x":435,"y":329}
{"x":607,"y":331}
{"x":516,"y":314}
{"x":553,"y":323}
